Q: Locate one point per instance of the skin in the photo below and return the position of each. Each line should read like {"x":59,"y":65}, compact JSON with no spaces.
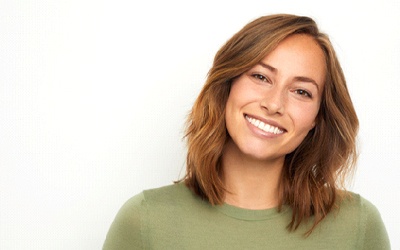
{"x":284,"y":90}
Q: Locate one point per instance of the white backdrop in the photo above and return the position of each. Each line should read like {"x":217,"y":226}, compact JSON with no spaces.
{"x":94,"y":94}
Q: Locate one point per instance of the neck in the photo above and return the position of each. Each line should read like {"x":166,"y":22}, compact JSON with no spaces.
{"x":251,"y":183}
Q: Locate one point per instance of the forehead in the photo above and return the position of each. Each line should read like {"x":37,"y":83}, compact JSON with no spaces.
{"x":298,"y":55}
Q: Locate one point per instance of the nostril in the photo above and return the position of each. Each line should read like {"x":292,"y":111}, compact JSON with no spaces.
{"x":272,"y":105}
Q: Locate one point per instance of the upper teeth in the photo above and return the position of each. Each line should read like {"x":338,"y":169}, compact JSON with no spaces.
{"x":264,"y":127}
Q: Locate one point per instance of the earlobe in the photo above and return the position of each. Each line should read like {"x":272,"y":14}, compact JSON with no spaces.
{"x":312,"y":127}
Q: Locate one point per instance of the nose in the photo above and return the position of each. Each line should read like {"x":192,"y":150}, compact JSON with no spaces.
{"x":274,"y":101}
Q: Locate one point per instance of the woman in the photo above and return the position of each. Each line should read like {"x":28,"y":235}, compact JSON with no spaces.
{"x":271,"y":138}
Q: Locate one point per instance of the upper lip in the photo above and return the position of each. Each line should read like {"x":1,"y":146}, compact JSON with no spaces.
{"x":267,"y":121}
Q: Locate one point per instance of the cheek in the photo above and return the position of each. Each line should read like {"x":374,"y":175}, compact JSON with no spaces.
{"x":243,"y":92}
{"x":237,"y":98}
{"x":304,"y":117}
{"x":229,"y":111}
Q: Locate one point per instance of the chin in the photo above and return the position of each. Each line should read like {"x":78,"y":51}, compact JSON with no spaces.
{"x":262,"y":156}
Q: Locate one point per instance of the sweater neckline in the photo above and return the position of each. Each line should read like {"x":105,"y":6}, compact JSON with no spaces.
{"x":249,"y":214}
{"x":242,"y":213}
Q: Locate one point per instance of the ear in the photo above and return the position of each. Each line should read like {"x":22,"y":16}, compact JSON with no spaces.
{"x":313,"y":125}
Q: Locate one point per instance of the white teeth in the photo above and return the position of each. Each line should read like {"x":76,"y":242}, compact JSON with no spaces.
{"x":264,"y":127}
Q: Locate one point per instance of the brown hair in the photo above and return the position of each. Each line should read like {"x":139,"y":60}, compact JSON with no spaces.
{"x":316,"y":169}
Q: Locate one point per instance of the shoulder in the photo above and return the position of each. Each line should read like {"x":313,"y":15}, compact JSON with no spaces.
{"x":355,"y":207}
{"x":135,"y":207}
{"x":125,"y":230}
{"x":362,"y":215}
{"x":172,"y":197}
{"x":141,"y":212}
{"x":167,"y":193}
{"x":354,"y":203}
{"x":160,"y":198}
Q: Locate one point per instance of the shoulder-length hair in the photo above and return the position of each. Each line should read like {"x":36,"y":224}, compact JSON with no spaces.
{"x":315,"y":171}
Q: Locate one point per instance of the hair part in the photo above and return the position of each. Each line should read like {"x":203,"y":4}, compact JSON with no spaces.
{"x":316,"y":170}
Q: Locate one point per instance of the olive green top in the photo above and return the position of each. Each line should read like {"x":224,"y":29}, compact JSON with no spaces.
{"x":172,"y":217}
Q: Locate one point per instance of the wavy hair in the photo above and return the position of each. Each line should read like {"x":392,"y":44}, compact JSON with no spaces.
{"x":315,"y":171}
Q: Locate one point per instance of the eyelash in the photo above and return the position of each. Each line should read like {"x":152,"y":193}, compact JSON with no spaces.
{"x":303,"y":92}
{"x":263,"y":78}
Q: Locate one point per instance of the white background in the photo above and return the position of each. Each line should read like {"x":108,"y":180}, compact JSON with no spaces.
{"x":94,"y":94}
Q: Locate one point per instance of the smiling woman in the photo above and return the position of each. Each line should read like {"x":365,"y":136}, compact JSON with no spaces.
{"x":281,"y":98}
{"x":271,"y":139}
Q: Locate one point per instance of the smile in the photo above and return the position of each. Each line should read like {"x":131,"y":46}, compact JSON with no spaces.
{"x":264,"y":126}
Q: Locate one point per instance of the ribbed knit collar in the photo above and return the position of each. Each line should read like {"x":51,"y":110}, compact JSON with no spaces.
{"x":249,"y":214}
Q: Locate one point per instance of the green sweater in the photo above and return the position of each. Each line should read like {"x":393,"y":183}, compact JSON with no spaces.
{"x":172,"y":217}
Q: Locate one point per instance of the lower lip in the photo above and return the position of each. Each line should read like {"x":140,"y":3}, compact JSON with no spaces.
{"x":261,"y":133}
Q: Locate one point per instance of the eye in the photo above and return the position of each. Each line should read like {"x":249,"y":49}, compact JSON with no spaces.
{"x":261,"y":77}
{"x":303,"y":92}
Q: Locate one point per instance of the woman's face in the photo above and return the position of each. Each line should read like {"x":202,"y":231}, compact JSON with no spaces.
{"x":273,"y":106}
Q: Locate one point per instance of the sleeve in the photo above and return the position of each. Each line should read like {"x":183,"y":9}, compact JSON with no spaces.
{"x":125,"y":231}
{"x":375,"y":236}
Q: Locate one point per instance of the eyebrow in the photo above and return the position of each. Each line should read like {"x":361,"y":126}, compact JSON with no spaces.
{"x":264,"y":65}
{"x":297,"y":78}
